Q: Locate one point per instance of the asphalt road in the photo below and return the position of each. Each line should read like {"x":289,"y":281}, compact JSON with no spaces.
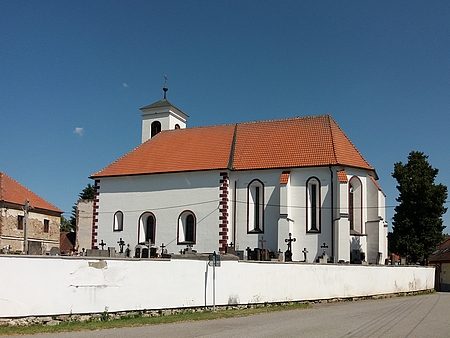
{"x":416,"y":316}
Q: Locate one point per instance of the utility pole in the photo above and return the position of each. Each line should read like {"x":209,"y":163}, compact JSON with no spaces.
{"x":26,"y":208}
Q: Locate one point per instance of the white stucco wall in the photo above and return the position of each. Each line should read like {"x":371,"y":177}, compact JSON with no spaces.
{"x":168,"y":195}
{"x":79,"y":285}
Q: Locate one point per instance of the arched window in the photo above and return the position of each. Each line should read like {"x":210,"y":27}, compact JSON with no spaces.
{"x":313,"y":205}
{"x":255,"y":206}
{"x":118,"y":221}
{"x":155,"y":129}
{"x":147,"y":227}
{"x":355,"y":205}
{"x":186,"y":228}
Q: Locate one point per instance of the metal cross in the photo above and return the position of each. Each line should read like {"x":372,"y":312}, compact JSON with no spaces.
{"x":121,"y":245}
{"x":102,"y":244}
{"x":162,"y":248}
{"x":304,"y":253}
{"x":262,"y":240}
{"x":289,"y":241}
{"x":324,"y":246}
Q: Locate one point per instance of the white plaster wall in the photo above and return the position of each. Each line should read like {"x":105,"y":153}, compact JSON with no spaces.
{"x":167,"y":117}
{"x":79,"y":285}
{"x":166,"y":196}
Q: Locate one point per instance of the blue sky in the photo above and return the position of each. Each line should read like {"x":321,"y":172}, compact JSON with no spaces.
{"x":73,"y":75}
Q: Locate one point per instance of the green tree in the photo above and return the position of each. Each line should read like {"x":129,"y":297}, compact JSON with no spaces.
{"x":65,"y":226}
{"x":86,"y":194}
{"x":417,"y":223}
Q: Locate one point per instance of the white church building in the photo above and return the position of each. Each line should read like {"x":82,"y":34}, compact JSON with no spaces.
{"x":242,"y":186}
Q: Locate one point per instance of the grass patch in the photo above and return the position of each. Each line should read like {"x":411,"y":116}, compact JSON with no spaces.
{"x":141,"y":320}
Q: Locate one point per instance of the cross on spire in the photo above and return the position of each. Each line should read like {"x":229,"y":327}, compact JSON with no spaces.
{"x":165,"y":89}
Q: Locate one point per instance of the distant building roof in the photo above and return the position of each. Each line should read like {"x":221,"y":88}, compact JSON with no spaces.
{"x":442,"y":253}
{"x":66,"y":242}
{"x":15,"y":193}
{"x":285,"y":143}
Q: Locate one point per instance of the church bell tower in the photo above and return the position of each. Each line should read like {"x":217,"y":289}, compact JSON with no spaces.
{"x":161,"y":115}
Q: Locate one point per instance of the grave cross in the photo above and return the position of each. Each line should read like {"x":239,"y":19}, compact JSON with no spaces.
{"x":304,"y":253}
{"x":289,"y":241}
{"x":262,"y":241}
{"x":102,"y":244}
{"x":162,"y":248}
{"x":121,"y":245}
{"x":324,"y":246}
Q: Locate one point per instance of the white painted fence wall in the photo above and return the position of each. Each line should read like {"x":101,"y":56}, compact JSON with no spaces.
{"x":68,"y":285}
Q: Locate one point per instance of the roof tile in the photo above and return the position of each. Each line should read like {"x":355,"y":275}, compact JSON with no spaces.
{"x":285,"y":143}
{"x":13,"y":192}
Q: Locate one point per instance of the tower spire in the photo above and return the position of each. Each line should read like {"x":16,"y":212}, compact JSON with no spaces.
{"x":165,"y":89}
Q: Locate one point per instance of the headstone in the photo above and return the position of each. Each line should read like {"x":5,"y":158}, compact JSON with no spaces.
{"x":163,"y":249}
{"x":305,"y":252}
{"x":288,"y":256}
{"x":145,"y":253}
{"x":324,"y":258}
{"x":121,"y":245}
{"x":102,"y":244}
{"x":229,"y":249}
{"x":288,"y":253}
{"x":34,"y":248}
{"x":54,"y":251}
{"x":111,"y":251}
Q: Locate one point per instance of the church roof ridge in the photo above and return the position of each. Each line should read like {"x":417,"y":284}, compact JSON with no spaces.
{"x":302,"y":141}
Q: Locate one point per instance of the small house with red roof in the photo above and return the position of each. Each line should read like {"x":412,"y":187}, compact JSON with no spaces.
{"x":440,"y":258}
{"x":39,"y":226}
{"x":242,"y":186}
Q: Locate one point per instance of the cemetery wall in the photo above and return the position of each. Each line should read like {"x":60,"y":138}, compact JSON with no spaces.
{"x":46,"y":286}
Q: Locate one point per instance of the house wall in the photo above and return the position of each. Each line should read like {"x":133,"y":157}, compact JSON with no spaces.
{"x":80,"y":285}
{"x":14,"y":237}
{"x":444,"y":277}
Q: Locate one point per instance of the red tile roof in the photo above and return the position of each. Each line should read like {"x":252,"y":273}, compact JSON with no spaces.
{"x":284,"y":178}
{"x":442,"y":253}
{"x":286,"y":143}
{"x":13,"y":192}
{"x":342,"y":176}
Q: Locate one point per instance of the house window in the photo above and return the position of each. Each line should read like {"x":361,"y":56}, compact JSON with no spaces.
{"x":20,"y":222}
{"x":118,"y":221}
{"x":156,"y":128}
{"x":186,"y":228}
{"x":255,"y":206}
{"x":355,"y":205}
{"x":147,"y":227}
{"x":313,"y":205}
{"x":46,"y":225}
